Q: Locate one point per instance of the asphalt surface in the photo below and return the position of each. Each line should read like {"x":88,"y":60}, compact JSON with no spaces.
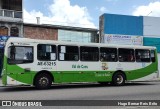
{"x":131,"y":91}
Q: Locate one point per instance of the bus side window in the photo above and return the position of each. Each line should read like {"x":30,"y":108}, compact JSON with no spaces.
{"x":108,"y":54}
{"x":126,"y":55}
{"x":89,"y":53}
{"x":68,"y":53}
{"x":142,"y":55}
{"x":46,"y":52}
{"x":153,"y":55}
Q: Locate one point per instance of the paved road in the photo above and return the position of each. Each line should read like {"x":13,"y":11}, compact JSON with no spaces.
{"x":131,"y":91}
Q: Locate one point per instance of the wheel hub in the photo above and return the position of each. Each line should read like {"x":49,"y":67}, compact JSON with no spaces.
{"x":119,"y":79}
{"x":43,"y":81}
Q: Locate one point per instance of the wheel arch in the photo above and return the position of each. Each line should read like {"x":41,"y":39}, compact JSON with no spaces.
{"x":43,"y":72}
{"x":119,"y":71}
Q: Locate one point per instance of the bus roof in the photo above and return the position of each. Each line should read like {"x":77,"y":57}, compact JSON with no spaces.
{"x":28,"y":40}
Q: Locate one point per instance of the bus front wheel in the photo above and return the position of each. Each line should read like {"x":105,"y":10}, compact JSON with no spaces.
{"x":43,"y":81}
{"x":118,"y":79}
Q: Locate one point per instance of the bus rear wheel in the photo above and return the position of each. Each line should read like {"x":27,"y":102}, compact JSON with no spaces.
{"x":43,"y":81}
{"x":118,"y":79}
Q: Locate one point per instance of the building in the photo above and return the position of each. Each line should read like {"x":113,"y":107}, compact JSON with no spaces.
{"x":121,"y":29}
{"x":130,"y":30}
{"x":151,"y":31}
{"x":11,"y":22}
{"x":11,"y":18}
{"x":60,"y":33}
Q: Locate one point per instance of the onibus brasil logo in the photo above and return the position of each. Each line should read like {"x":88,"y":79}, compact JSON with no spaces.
{"x":21,"y":103}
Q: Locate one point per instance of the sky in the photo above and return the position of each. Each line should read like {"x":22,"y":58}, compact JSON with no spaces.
{"x":85,"y":13}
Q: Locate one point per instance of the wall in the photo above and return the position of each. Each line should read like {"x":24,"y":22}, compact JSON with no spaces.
{"x":101,"y":29}
{"x":123,"y":39}
{"x":40,"y":33}
{"x":152,"y":41}
{"x":151,"y":31}
{"x":123,"y":24}
{"x":151,"y":26}
{"x":8,"y":25}
{"x":12,"y":5}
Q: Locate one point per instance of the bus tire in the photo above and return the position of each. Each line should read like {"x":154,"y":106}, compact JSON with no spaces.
{"x":118,"y":79}
{"x":43,"y":81}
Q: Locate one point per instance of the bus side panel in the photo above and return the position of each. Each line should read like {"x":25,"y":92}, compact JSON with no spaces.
{"x":82,"y":72}
{"x":63,"y":76}
{"x":4,"y":75}
{"x":20,"y":75}
{"x":82,"y":76}
{"x":146,"y":70}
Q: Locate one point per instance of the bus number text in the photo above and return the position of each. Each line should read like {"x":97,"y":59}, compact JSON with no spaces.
{"x":46,"y":63}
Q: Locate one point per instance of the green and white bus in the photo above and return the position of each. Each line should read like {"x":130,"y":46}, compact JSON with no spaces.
{"x":43,"y":62}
